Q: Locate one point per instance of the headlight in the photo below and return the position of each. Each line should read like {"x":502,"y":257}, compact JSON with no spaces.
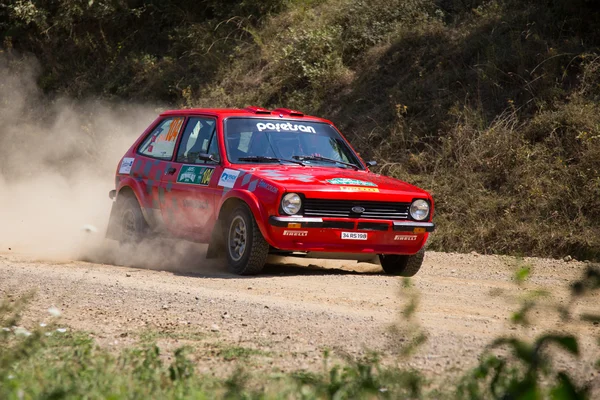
{"x":291,"y":203}
{"x":419,"y":210}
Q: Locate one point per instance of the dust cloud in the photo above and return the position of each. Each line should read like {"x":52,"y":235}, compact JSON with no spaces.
{"x":57,"y":163}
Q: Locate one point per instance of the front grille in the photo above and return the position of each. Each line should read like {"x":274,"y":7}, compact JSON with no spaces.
{"x":343,"y":209}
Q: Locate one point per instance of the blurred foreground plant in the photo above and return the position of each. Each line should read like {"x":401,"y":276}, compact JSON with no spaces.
{"x":527,"y":372}
{"x":53,"y":363}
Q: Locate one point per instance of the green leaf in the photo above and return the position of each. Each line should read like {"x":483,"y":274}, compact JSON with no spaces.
{"x":521,"y":349}
{"x":527,"y":389}
{"x":566,"y":390}
{"x":522,"y":274}
{"x":520,"y":317}
{"x":567,"y":342}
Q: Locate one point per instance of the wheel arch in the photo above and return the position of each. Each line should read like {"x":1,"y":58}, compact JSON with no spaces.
{"x":127,"y":191}
{"x":131,"y":188}
{"x":254,"y":254}
{"x":227,"y":204}
{"x":236,"y":197}
{"x":124,"y":192}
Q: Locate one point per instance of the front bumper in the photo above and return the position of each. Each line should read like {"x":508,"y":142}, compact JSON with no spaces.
{"x":307,"y":222}
{"x":348,"y":235}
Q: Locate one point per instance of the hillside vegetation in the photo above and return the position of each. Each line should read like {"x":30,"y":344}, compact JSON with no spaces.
{"x":490,"y":105}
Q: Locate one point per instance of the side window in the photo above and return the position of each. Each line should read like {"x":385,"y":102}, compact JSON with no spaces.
{"x":199,"y":137}
{"x":161,"y":141}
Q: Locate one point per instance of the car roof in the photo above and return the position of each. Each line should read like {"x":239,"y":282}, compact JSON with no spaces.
{"x":252,"y":112}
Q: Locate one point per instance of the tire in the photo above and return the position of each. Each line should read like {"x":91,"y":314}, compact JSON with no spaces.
{"x":402,"y":265}
{"x":245,"y":247}
{"x":132,"y":224}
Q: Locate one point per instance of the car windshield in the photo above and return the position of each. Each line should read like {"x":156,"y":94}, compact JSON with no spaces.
{"x":255,"y":140}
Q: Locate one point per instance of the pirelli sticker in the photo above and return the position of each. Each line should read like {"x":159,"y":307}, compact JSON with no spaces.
{"x":406,"y":238}
{"x":195,"y":175}
{"x":295,"y":233}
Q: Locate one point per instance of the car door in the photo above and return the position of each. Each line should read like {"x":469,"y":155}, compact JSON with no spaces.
{"x":189,"y":185}
{"x":152,"y":160}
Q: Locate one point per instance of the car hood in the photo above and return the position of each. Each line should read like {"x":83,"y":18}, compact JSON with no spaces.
{"x":337,"y":183}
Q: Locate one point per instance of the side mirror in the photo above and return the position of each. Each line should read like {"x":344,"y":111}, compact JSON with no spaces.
{"x":371,"y":163}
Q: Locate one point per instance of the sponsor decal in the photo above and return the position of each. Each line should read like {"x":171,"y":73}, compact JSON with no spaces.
{"x":195,"y":175}
{"x":288,"y":127}
{"x":150,"y":148}
{"x":347,"y":181}
{"x":126,"y":165}
{"x":174,"y":129}
{"x":354,"y":236}
{"x":359,"y":189}
{"x":267,"y":186}
{"x":405,"y":238}
{"x":228,"y":178}
{"x":295,"y":233}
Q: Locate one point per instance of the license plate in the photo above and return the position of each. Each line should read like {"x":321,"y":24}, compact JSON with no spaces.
{"x":354,"y":236}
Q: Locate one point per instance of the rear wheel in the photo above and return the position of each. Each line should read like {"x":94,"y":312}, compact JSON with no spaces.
{"x":402,"y":265}
{"x":133,"y":226}
{"x":246,"y":248}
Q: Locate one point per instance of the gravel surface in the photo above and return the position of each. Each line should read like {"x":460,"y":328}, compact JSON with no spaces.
{"x":295,"y":310}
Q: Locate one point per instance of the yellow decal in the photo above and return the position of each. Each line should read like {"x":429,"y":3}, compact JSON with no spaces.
{"x":205,"y":180}
{"x":358,"y":189}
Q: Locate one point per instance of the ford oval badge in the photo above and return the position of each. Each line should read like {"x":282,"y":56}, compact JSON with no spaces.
{"x":358,"y":210}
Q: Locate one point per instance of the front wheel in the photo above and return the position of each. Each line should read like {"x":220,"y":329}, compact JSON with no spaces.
{"x":247,"y":249}
{"x":402,"y":265}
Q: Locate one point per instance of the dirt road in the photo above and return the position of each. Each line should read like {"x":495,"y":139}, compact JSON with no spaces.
{"x":289,"y":314}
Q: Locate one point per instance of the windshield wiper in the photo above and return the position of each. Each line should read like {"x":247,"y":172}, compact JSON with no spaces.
{"x":267,"y":159}
{"x":331,"y":160}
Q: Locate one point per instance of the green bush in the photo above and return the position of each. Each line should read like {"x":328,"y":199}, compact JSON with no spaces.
{"x":150,"y":50}
{"x":490,"y":105}
{"x":366,"y":24}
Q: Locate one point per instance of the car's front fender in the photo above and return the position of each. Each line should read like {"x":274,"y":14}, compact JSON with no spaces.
{"x":259,"y":211}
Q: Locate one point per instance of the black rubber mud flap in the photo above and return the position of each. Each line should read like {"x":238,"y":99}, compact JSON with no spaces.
{"x":216,"y":247}
{"x":113,"y":232}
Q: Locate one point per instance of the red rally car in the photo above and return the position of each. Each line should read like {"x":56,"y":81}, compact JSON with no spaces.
{"x":255,"y":182}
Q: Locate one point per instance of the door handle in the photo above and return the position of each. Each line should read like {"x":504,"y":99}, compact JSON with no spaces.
{"x":171,"y":171}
